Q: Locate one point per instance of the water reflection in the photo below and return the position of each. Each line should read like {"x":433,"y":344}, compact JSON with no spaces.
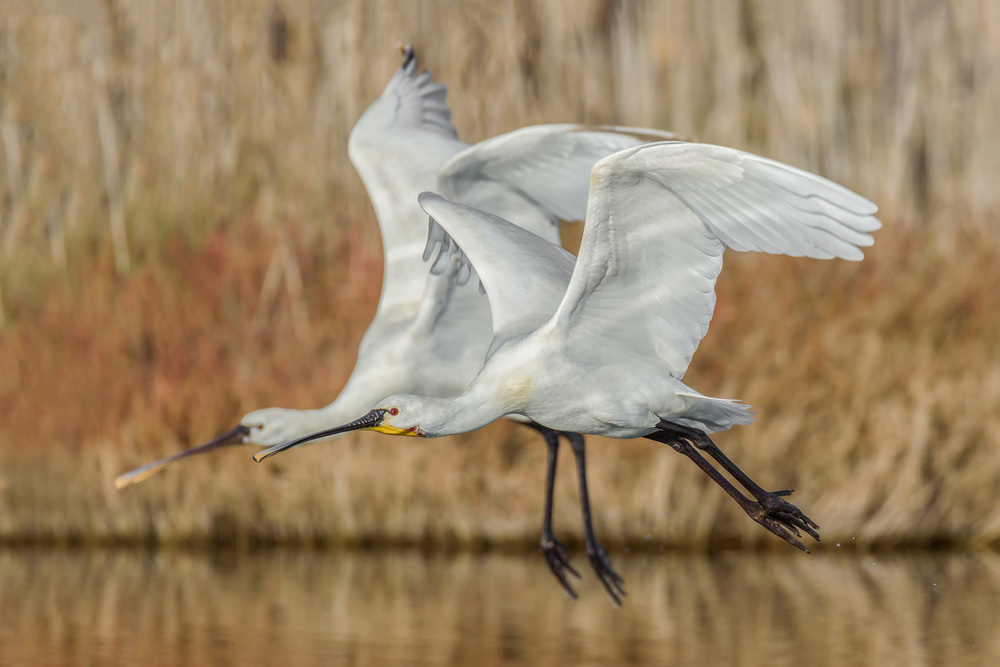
{"x":173,"y":608}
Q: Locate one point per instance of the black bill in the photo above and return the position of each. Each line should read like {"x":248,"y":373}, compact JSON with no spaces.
{"x":235,"y":437}
{"x":373,"y":418}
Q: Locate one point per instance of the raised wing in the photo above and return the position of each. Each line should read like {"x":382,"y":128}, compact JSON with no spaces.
{"x":524,"y":275}
{"x":398,"y":146}
{"x":536,"y":175}
{"x":531,"y":177}
{"x":658,"y":220}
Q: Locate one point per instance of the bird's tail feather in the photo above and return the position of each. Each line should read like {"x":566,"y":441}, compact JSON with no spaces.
{"x":714,"y":414}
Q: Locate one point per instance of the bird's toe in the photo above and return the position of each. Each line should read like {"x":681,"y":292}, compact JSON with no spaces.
{"x":783,"y":518}
{"x":612,"y":581}
{"x":558,"y":560}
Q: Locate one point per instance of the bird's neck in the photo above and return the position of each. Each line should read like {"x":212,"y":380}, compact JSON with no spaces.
{"x":450,"y":416}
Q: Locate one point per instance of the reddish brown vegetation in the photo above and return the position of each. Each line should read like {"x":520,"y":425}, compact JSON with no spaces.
{"x":875,"y":385}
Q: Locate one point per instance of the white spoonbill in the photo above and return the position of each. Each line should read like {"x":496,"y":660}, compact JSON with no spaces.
{"x":600,"y":344}
{"x":427,"y":337}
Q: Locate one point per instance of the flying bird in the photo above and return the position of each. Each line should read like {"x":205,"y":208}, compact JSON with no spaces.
{"x":427,"y":337}
{"x":600,"y":344}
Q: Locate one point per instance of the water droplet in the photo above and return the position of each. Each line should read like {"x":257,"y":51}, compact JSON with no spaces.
{"x":838,"y":544}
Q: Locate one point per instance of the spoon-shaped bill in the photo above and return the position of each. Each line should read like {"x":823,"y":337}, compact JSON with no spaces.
{"x":372,"y":419}
{"x":237,"y":436}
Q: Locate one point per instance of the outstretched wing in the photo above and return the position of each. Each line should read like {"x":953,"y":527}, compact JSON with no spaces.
{"x":531,"y":177}
{"x":536,"y":175}
{"x":523,"y":275}
{"x":398,"y":146}
{"x":658,"y":220}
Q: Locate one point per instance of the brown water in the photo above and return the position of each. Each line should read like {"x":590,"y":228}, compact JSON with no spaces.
{"x":64,"y":607}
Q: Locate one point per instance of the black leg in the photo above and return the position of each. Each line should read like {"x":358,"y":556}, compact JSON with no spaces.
{"x":770,"y":509}
{"x":599,"y":559}
{"x":770,"y":501}
{"x":553,"y":550}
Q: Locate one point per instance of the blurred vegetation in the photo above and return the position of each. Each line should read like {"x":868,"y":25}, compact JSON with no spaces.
{"x":182,"y":240}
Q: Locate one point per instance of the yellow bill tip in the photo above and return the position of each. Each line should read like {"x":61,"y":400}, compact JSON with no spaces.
{"x":133,"y":477}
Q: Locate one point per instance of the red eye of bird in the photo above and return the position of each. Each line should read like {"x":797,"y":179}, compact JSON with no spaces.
{"x":393,"y":411}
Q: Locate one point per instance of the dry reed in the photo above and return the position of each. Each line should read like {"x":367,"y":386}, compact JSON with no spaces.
{"x":206,"y":249}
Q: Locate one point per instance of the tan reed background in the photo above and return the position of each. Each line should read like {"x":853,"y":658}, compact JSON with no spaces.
{"x":182,"y":239}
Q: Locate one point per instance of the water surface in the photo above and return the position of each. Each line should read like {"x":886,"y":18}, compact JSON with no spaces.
{"x":65,"y":607}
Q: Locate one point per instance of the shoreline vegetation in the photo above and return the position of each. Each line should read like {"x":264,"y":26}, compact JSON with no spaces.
{"x":874,"y":384}
{"x":183,"y":240}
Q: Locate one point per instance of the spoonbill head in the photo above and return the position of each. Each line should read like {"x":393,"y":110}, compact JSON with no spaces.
{"x":399,"y":414}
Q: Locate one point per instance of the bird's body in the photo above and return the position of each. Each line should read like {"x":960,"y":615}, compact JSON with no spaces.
{"x":552,"y":389}
{"x":600,"y":345}
{"x":536,"y":377}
